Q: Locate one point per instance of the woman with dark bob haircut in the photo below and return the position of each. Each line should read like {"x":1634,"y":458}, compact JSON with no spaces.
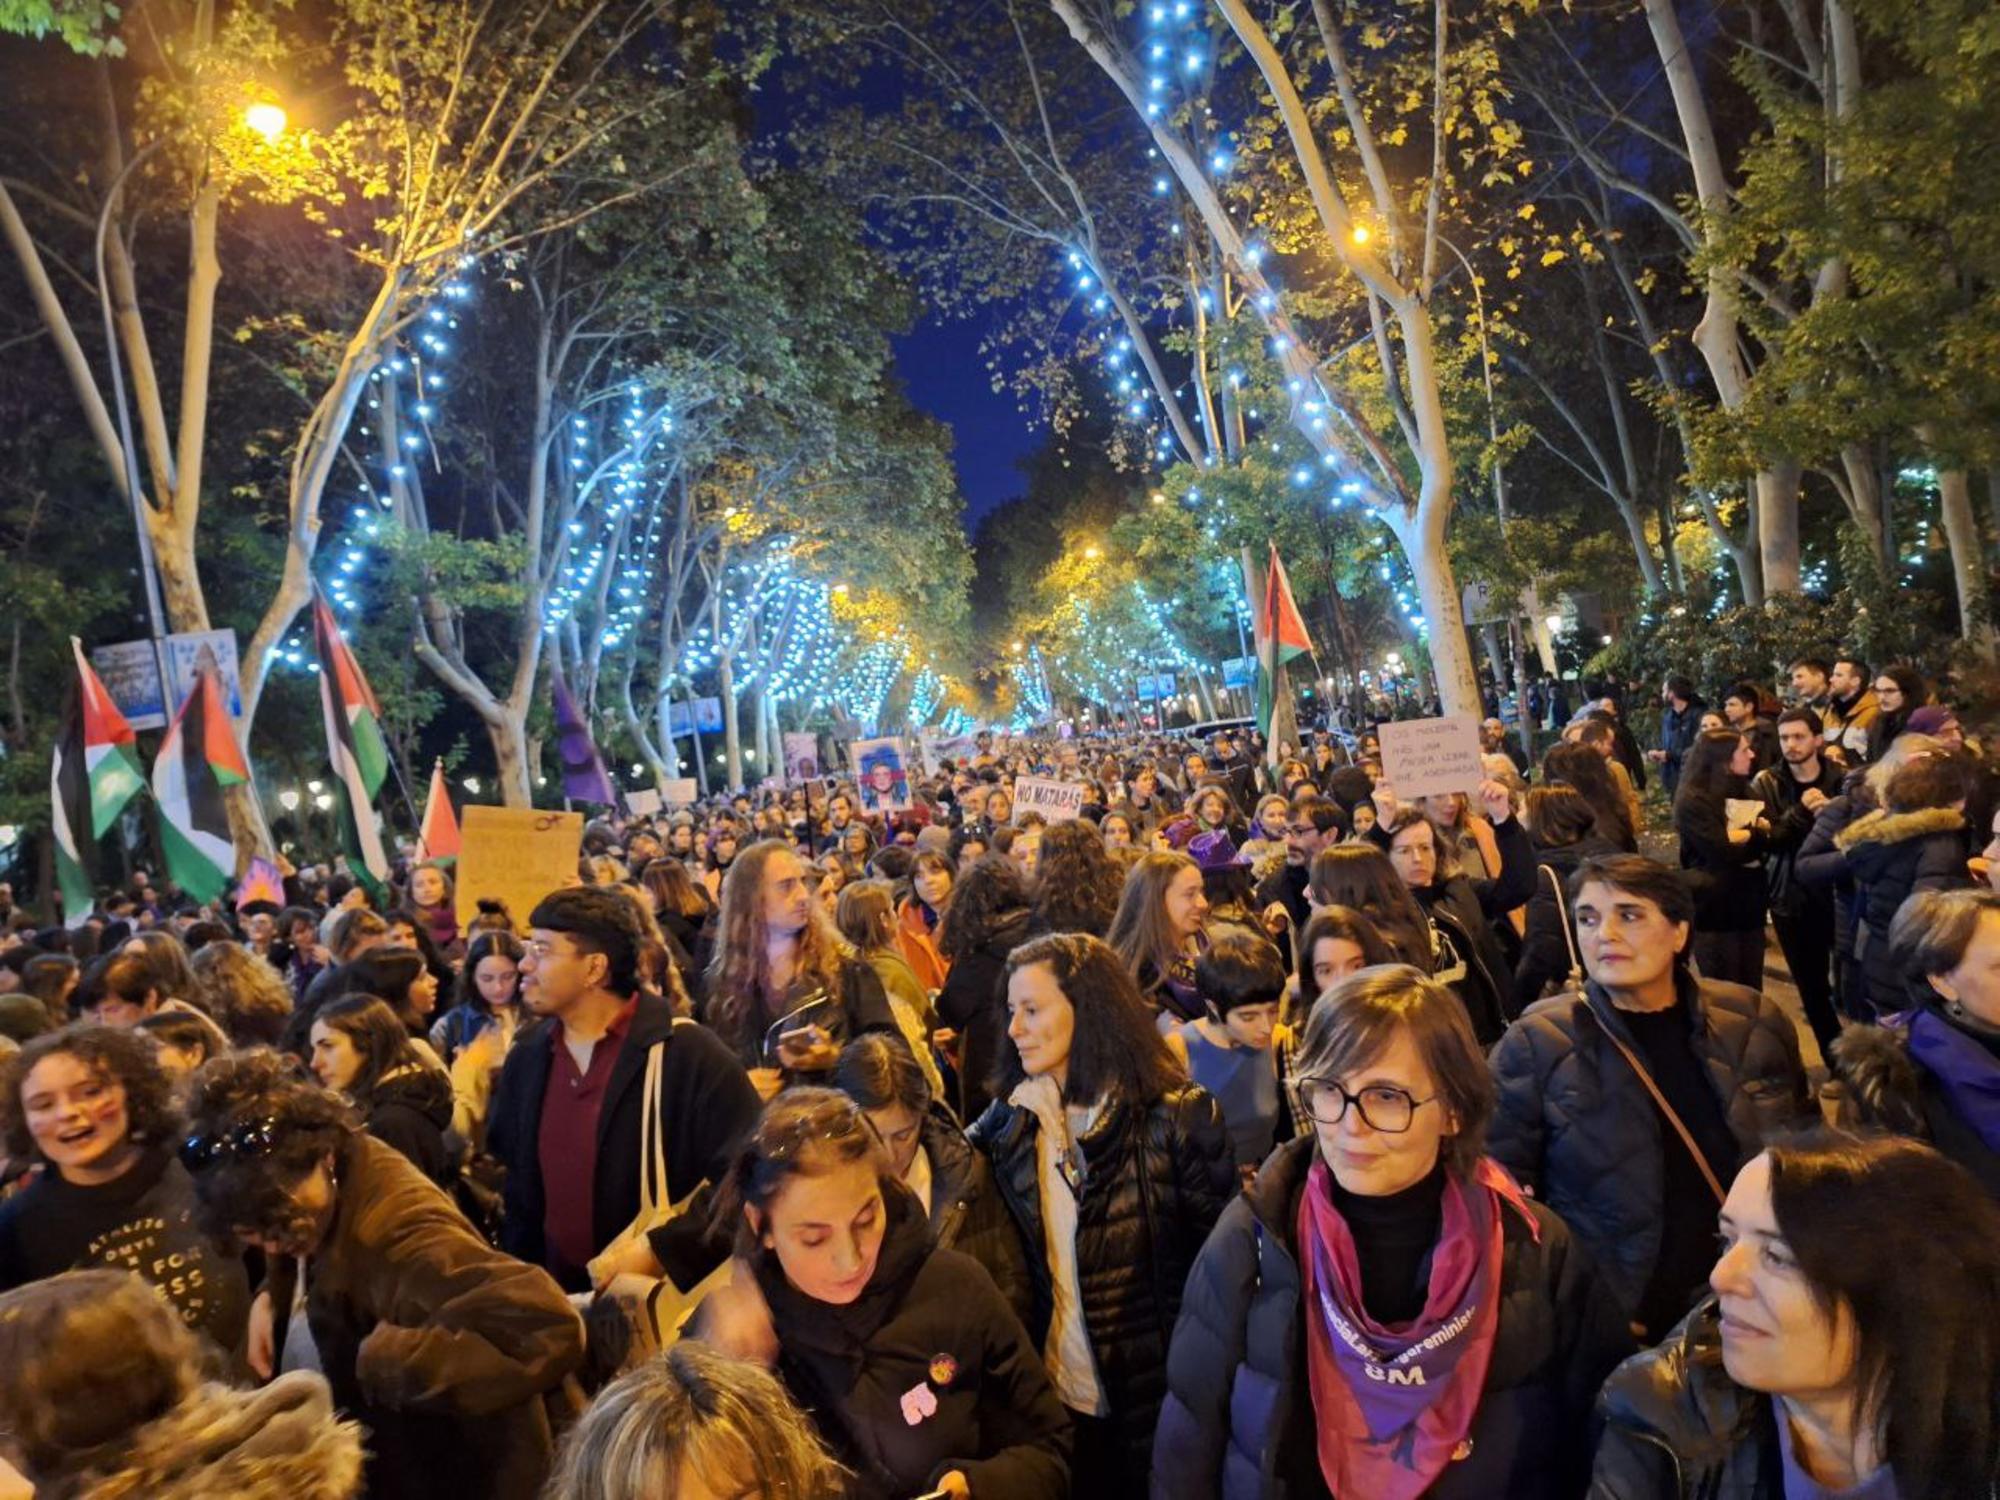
{"x":441,"y":1346}
{"x":1113,"y":1167}
{"x":1851,"y":1347}
{"x":94,"y":1105}
{"x":1383,"y":1312}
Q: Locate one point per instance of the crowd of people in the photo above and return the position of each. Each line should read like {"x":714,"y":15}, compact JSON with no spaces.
{"x":1259,"y":1132}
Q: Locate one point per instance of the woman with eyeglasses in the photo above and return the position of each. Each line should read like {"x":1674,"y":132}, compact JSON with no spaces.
{"x":93,"y":1105}
{"x":439,"y":1345}
{"x":1384,"y":1313}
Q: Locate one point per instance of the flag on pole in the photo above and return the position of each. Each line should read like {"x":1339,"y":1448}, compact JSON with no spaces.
{"x":199,"y":758}
{"x":584,"y":776}
{"x":1281,"y":635}
{"x":438,"y":840}
{"x":355,"y":748}
{"x":94,"y":773}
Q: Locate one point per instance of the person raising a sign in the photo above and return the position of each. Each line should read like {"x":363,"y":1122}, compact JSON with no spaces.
{"x":1468,"y":957}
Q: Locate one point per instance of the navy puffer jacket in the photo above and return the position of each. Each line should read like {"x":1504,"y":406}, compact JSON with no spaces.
{"x":1238,"y":1420}
{"x":1579,"y":1130}
{"x":1890,"y":855}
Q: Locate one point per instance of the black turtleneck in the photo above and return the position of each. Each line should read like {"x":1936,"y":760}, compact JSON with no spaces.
{"x":1394,"y":1236}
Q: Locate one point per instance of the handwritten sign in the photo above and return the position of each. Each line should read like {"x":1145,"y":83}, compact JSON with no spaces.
{"x":679,"y":791}
{"x":1058,"y":801}
{"x":1424,"y":757}
{"x":644,"y":803}
{"x":515,"y":855}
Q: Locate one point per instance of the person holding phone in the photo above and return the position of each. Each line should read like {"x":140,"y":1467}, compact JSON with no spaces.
{"x":909,"y":1361}
{"x":785,"y":992}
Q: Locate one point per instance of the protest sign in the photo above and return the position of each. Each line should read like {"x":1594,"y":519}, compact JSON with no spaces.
{"x":131,"y":674}
{"x":679,"y":791}
{"x":1058,"y":801}
{"x":643,"y":803}
{"x":1741,"y":812}
{"x":801,"y":756}
{"x":883,"y":779}
{"x":959,"y":749}
{"x":515,"y":855}
{"x":1424,"y":757}
{"x":706,"y":716}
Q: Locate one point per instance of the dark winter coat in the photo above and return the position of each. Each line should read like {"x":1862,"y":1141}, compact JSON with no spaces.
{"x":1791,"y":822}
{"x":973,"y":1003}
{"x":692,"y":941}
{"x":1678,"y":728}
{"x":1888,"y":1089}
{"x":1674,"y":1426}
{"x":1155,"y":1181}
{"x":1583,"y":1135}
{"x":438,"y":1344}
{"x":1464,"y":909}
{"x":280,"y":1442}
{"x":707,"y":1106}
{"x":1727,"y":879}
{"x":1890,"y":856}
{"x":967,"y":1214}
{"x":1820,"y":865}
{"x":410,"y":1108}
{"x":863,"y":1005}
{"x":1238,"y":1421}
{"x":928,"y":1319}
{"x":1547,"y":941}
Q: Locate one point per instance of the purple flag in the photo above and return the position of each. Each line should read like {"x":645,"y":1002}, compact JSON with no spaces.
{"x":584,"y":776}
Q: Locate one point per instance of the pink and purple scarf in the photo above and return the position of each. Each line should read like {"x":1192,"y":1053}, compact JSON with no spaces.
{"x":1394,"y":1404}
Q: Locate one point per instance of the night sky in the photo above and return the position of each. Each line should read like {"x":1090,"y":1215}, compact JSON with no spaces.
{"x":940,"y":365}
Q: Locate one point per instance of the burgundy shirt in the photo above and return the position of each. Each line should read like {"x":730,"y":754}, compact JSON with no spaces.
{"x":567,"y":1146}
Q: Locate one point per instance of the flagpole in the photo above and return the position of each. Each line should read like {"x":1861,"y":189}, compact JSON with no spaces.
{"x":416,"y":819}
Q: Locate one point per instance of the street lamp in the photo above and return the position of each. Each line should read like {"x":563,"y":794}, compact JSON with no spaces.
{"x":267,"y":119}
{"x":289,"y":800}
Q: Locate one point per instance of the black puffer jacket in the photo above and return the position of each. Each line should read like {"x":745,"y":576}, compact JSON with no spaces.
{"x":928,"y":1321}
{"x":967,"y":1214}
{"x":1728,"y":879}
{"x":1546,"y":943}
{"x":1155,"y":1181}
{"x":410,"y":1109}
{"x":1580,"y":1132}
{"x":1890,"y":855}
{"x":1238,"y":1422}
{"x":1464,"y":909}
{"x":973,"y":1003}
{"x":1674,"y":1426}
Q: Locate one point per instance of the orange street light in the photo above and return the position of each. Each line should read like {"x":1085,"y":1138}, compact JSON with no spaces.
{"x":267,"y":119}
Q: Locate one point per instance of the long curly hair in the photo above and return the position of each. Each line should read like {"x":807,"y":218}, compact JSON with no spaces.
{"x":243,"y":992}
{"x":1077,"y":884}
{"x":986,"y":896}
{"x":739,"y":973}
{"x":126,"y":1058}
{"x":255,"y":1128}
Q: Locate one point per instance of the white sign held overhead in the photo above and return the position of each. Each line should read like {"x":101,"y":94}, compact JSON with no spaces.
{"x":678,"y":791}
{"x":1058,"y":801}
{"x":1426,"y":757}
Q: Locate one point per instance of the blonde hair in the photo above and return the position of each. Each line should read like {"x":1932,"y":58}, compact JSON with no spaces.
{"x":693,"y":1408}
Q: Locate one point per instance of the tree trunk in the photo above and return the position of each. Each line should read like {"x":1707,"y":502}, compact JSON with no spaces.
{"x":508,"y":733}
{"x":1863,"y":494}
{"x":1778,"y":526}
{"x":1968,"y":559}
{"x":732,"y":738}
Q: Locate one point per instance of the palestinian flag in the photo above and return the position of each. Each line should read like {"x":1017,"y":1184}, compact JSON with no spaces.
{"x":199,"y":758}
{"x":355,"y":747}
{"x":438,"y":839}
{"x":93,"y":774}
{"x":1281,"y":635}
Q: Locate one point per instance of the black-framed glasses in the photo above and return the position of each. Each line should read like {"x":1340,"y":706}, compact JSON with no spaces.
{"x":246,"y":1138}
{"x":1383,"y":1106}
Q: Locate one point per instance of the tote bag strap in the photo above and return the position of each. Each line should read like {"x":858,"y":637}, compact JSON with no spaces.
{"x":1569,"y":933}
{"x":1680,"y":1126}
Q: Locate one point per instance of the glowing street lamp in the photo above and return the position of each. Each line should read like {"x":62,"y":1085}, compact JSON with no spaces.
{"x":267,"y":119}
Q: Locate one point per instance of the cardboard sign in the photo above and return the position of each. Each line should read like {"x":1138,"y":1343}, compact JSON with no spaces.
{"x":883,"y":780}
{"x":131,"y":673}
{"x":515,"y":855}
{"x":643,"y":803}
{"x":1425,"y":757}
{"x":1058,"y":801}
{"x":1741,"y":812}
{"x":679,"y":791}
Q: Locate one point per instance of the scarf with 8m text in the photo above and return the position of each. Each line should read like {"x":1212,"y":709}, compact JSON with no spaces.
{"x":1393,"y":1404}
